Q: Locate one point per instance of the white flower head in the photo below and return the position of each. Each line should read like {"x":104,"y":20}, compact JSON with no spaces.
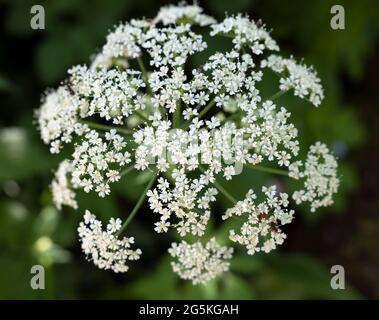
{"x":245,"y":32}
{"x":97,"y":161}
{"x":187,"y":203}
{"x":200,"y":263}
{"x":104,"y":248}
{"x":139,"y":106}
{"x":261,"y":230}
{"x":183,"y":13}
{"x":319,"y":173}
{"x":302,"y":79}
{"x":61,"y":189}
{"x":58,"y":118}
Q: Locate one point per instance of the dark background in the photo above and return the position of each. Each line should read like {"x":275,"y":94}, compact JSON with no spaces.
{"x":347,"y":234}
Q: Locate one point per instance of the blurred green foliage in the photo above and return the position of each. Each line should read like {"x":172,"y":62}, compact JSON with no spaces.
{"x":33,"y":232}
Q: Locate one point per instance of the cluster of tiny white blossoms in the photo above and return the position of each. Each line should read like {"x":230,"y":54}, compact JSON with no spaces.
{"x":269,"y":135}
{"x":200,"y":263}
{"x":110,"y":94}
{"x":302,"y":79}
{"x":188,"y":13}
{"x":104,"y":248}
{"x":57,"y":118}
{"x":140,"y":106}
{"x":60,"y":186}
{"x":320,"y":174}
{"x":97,"y":161}
{"x":187,"y":202}
{"x":261,"y":230}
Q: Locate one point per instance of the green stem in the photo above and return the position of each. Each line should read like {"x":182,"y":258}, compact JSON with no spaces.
{"x":144,"y":73}
{"x":221,"y":188}
{"x":142,"y":117}
{"x":267,"y":169}
{"x":224,"y":192}
{"x":177,"y":115}
{"x":106,"y":127}
{"x":277,"y":95}
{"x":126,"y":171}
{"x":207,"y":108}
{"x":138,"y":204}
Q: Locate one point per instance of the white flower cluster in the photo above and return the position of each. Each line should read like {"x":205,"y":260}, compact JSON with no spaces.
{"x":61,"y":186}
{"x":183,"y":14}
{"x":302,"y":79}
{"x":261,"y":230}
{"x":205,"y":142}
{"x":110,"y":94}
{"x":122,"y":44}
{"x":172,"y":45}
{"x":200,"y":263}
{"x":97,"y":161}
{"x":139,"y":105}
{"x":104,"y":248}
{"x":58,"y":118}
{"x":269,"y":135}
{"x":188,"y":202}
{"x":245,"y":32}
{"x":233,"y":77}
{"x":320,"y":174}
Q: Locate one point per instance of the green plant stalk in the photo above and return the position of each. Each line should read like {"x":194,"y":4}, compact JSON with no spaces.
{"x":144,"y":73}
{"x":207,"y":108}
{"x":220,"y":188}
{"x":126,"y":171}
{"x":236,"y":114}
{"x":177,"y":115}
{"x":277,"y":95}
{"x":139,"y":114}
{"x":224,"y":192}
{"x":138,"y":204}
{"x":267,"y":169}
{"x":106,"y":127}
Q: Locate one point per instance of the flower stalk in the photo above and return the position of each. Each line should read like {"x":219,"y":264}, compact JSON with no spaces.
{"x":138,"y":204}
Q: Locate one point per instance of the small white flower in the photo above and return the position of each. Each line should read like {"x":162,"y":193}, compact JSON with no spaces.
{"x":181,"y":203}
{"x":245,"y":32}
{"x":114,"y":225}
{"x":161,"y":226}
